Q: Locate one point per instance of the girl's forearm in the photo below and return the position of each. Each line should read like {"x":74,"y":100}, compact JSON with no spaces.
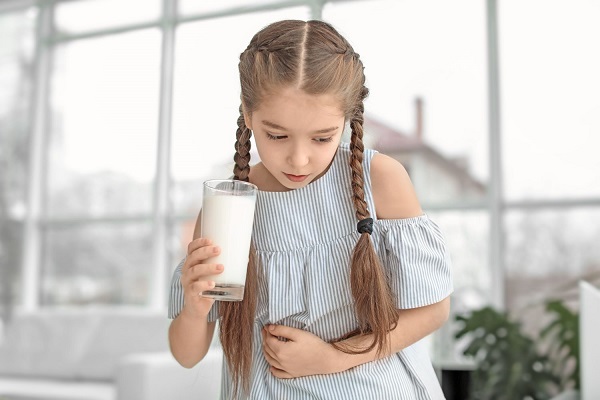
{"x":190,"y":338}
{"x":413,"y":325}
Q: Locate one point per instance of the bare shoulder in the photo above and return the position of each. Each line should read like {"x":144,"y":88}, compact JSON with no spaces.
{"x":393,"y":191}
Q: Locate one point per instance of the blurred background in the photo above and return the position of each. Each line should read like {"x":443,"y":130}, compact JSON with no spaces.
{"x":112,"y":113}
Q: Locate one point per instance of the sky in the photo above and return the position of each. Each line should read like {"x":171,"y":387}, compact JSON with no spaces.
{"x":108,"y":88}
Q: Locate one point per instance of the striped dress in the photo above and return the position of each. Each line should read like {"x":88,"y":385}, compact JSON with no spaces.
{"x":304,"y":239}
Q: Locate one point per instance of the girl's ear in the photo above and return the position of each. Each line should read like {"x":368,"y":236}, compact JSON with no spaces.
{"x":247,"y":118}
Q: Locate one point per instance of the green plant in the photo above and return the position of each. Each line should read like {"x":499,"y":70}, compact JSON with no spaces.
{"x":562,"y":336}
{"x":510,"y":366}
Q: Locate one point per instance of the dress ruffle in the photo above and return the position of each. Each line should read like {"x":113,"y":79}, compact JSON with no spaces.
{"x":301,"y":286}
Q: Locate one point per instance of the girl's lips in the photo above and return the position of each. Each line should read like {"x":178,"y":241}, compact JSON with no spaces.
{"x":296,"y":178}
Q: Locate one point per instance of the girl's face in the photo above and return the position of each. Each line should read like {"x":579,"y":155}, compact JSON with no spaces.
{"x":296,"y":134}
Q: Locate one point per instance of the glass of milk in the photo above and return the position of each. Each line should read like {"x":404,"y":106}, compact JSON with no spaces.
{"x":227,"y":219}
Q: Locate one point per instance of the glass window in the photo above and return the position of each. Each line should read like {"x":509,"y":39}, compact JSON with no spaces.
{"x":208,"y":6}
{"x":103,"y":139}
{"x":97,"y":264}
{"x":81,"y":16}
{"x":180,"y":234}
{"x":548,"y":252}
{"x":207,"y":99}
{"x":425,"y":63}
{"x":17,"y":40}
{"x":550,"y":102}
{"x":466,"y":234}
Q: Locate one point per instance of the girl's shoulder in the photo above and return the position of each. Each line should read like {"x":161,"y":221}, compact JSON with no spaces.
{"x":393,"y":191}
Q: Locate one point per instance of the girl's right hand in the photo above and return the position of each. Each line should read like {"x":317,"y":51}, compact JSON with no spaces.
{"x":195,"y":276}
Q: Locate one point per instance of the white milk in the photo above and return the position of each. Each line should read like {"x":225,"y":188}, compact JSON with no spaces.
{"x":227,"y":221}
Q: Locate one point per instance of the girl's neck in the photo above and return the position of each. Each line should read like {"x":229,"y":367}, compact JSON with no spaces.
{"x":264,"y":180}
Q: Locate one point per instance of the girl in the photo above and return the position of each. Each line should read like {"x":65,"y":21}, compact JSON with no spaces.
{"x":346,"y":274}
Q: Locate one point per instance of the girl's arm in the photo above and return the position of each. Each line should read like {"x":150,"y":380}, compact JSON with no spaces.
{"x":413,"y":325}
{"x":189,"y":338}
{"x":295,"y":357}
{"x":394,"y":198}
{"x":190,"y":333}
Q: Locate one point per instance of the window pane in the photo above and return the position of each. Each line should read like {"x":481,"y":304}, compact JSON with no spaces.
{"x":11,"y":247}
{"x":207,"y":6}
{"x":104,"y":125}
{"x":547,"y":252}
{"x":466,"y":234}
{"x":429,"y":56}
{"x":97,"y":264}
{"x":207,"y":99}
{"x":180,"y":235}
{"x":17,"y":35}
{"x":89,"y":15}
{"x":551,"y":106}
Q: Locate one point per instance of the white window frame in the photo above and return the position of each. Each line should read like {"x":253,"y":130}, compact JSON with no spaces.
{"x":162,"y":216}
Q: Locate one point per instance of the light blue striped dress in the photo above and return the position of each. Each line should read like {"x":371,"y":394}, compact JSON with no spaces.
{"x":304,"y":239}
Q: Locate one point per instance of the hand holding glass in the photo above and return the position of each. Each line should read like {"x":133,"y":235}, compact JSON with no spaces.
{"x":227,"y":219}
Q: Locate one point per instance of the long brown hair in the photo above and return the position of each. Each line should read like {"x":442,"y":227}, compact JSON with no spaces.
{"x":314,"y":57}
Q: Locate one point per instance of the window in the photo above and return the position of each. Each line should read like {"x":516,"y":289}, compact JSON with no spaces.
{"x":17,"y":30}
{"x":130,"y":92}
{"x":103,"y":137}
{"x":416,"y":73}
{"x":550,"y":98}
{"x":551,"y":116}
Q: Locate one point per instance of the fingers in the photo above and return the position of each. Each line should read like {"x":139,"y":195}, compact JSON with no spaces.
{"x":269,"y":352}
{"x":196,"y":244}
{"x":200,"y":250}
{"x":201,"y":270}
{"x":200,"y":286}
{"x":282,"y":331}
{"x":271,"y":357}
{"x":195,"y":266}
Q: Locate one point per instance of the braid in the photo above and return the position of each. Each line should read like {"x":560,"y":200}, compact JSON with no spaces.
{"x":356,"y":159}
{"x":237,"y":318}
{"x":375,"y":308}
{"x":242,"y":149}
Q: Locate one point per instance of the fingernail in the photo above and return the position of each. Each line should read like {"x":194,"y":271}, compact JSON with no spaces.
{"x":219,"y":267}
{"x":215,"y":249}
{"x":271,"y":328}
{"x":211,"y":284}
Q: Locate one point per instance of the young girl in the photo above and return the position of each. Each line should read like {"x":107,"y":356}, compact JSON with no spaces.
{"x":346,"y":273}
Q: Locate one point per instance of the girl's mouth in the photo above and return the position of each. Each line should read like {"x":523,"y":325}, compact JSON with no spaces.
{"x":296,"y":178}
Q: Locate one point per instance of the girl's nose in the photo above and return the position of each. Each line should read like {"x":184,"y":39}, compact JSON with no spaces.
{"x":298,"y":156}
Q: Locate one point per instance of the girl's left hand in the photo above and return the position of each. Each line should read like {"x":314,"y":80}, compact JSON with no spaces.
{"x":302,"y":354}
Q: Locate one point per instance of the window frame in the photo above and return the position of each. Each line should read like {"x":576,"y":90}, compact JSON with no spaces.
{"x":162,"y":216}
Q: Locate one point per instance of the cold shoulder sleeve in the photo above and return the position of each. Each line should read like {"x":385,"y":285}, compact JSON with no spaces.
{"x":417,"y":261}
{"x":176,"y":298}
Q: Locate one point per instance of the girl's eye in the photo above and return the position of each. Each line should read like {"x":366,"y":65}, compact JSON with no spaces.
{"x":275,"y":137}
{"x":324,"y":139}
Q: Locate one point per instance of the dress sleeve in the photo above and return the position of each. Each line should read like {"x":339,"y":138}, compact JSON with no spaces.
{"x":417,"y":260}
{"x":176,"y":297}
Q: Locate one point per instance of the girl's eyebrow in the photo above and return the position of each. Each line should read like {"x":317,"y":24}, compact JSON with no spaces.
{"x":281,"y":128}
